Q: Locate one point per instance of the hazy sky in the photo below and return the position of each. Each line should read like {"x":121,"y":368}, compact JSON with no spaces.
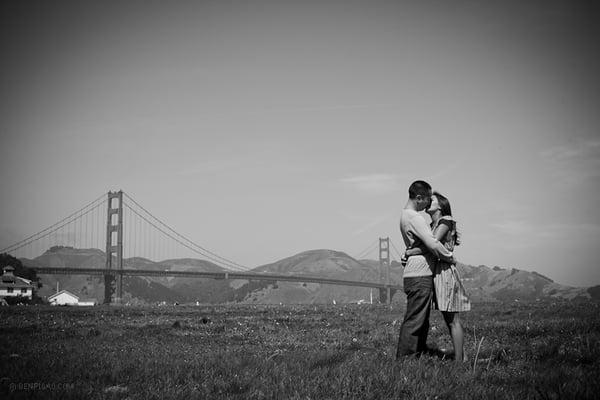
{"x":264,"y":128}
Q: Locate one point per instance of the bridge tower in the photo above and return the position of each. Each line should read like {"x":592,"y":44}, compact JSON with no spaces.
{"x":385,"y":295}
{"x":114,"y":248}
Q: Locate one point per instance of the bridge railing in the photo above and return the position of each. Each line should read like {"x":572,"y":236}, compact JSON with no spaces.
{"x":212,"y":275}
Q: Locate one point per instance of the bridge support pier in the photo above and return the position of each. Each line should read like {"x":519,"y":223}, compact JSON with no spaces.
{"x":114,"y":247}
{"x":385,"y":295}
{"x":109,"y":287}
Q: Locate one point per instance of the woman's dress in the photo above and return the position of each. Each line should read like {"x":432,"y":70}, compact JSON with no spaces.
{"x":450,"y":294}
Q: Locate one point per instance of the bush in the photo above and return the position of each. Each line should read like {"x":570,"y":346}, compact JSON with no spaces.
{"x":14,"y":300}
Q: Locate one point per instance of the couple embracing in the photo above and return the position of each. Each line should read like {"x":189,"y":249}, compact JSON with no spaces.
{"x":430,"y":274}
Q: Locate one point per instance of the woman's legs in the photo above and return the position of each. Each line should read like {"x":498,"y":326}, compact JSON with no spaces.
{"x":452,"y":320}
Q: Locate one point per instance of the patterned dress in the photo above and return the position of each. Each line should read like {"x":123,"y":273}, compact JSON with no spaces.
{"x":450,"y":294}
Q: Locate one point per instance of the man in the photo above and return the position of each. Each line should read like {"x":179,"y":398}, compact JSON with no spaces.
{"x":418,"y":272}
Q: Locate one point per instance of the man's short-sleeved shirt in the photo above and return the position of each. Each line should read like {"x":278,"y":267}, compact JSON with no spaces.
{"x":421,"y":265}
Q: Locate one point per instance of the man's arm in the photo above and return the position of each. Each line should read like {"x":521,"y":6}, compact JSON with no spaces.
{"x":423,"y":232}
{"x":414,"y":251}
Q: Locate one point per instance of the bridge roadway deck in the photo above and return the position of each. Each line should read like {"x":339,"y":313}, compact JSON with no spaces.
{"x":213,"y":275}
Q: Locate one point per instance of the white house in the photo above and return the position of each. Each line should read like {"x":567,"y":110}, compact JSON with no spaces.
{"x":13,"y":286}
{"x":66,"y":298}
{"x":63,"y":298}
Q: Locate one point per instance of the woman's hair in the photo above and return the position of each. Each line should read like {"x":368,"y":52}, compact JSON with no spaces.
{"x":447,"y":210}
{"x":444,"y":204}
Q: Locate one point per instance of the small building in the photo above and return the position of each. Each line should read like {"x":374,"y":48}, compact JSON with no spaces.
{"x":66,"y":298}
{"x":15,"y":286}
{"x":63,"y":298}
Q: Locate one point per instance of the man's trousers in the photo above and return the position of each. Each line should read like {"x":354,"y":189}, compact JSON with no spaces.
{"x":415,"y":327}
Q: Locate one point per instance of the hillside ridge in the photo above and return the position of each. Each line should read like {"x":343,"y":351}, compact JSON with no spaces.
{"x":482,"y":282}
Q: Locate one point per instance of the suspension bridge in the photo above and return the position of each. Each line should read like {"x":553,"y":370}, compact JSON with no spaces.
{"x":133,"y":237}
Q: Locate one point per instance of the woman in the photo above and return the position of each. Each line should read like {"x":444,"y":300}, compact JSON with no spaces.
{"x":450,"y":294}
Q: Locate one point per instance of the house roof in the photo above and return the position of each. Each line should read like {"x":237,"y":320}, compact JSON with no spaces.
{"x":61,"y":292}
{"x":15,"y":282}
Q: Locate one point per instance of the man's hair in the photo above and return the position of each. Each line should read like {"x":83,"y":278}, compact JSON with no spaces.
{"x":418,"y":188}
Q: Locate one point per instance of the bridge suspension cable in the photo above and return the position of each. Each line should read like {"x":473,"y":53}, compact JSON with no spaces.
{"x":54,"y":228}
{"x":181,"y":239}
{"x":369,"y":249}
{"x":397,"y":252}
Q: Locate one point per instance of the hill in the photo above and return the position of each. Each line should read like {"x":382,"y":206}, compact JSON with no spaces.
{"x":135,"y":289}
{"x":138,"y":289}
{"x":321,"y":263}
{"x":188,"y":289}
{"x":510,"y":284}
{"x":483,"y":283}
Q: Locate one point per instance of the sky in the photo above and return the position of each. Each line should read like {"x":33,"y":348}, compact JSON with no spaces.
{"x":261,"y":129}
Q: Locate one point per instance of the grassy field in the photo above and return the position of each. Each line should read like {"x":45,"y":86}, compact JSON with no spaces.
{"x":535,"y":351}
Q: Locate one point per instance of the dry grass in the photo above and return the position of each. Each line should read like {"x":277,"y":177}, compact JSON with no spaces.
{"x":535,"y":351}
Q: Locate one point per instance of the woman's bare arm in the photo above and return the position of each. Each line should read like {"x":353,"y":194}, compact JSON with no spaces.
{"x":441,"y":231}
{"x":415,"y":251}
